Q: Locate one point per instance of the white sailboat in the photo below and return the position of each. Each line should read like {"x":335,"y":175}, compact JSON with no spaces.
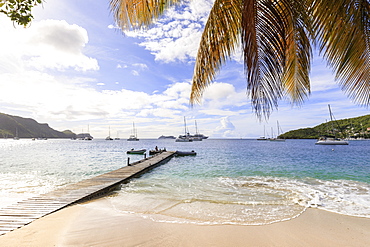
{"x":108,"y":138}
{"x":16,"y":137}
{"x":197,"y":136}
{"x":88,"y":136}
{"x":263,"y":138}
{"x":117,"y":138}
{"x":326,"y":140}
{"x":186,"y":137}
{"x":133,"y":136}
{"x":277,"y":139}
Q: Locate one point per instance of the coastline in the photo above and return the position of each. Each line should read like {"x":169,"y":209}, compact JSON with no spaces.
{"x":97,"y":223}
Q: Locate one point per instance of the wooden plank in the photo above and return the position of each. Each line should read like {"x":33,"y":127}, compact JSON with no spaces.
{"x":24,"y":212}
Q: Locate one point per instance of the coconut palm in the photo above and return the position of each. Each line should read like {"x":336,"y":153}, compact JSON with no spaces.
{"x":276,"y":38}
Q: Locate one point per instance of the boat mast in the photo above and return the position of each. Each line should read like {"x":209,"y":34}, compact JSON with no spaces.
{"x":196,"y":128}
{"x":331,"y":119}
{"x":331,"y":115}
{"x":272,"y":132}
{"x":185,"y":125}
{"x":133,"y":129}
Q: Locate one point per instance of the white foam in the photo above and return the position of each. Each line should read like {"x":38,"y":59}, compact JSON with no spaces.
{"x":243,"y":200}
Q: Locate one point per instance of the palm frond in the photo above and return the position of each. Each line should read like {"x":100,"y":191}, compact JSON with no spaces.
{"x":219,"y":39}
{"x":135,"y":14}
{"x":276,"y":52}
{"x":296,"y":81}
{"x":343,"y":33}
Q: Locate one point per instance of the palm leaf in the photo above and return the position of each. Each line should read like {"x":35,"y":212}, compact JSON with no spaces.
{"x":276,"y":37}
{"x":135,"y":14}
{"x":343,"y":33}
{"x":276,"y":52}
{"x":220,"y":38}
{"x":297,"y":66}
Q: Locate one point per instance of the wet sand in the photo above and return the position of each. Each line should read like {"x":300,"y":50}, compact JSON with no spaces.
{"x":97,"y":223}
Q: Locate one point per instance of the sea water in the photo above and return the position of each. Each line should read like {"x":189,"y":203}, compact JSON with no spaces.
{"x":239,"y":181}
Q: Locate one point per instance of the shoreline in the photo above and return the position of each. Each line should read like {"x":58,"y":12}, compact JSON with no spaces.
{"x":97,"y":223}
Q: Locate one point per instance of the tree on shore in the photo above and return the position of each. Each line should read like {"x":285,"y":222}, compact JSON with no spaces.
{"x":276,"y":38}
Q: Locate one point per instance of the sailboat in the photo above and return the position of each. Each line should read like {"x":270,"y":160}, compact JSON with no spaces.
{"x":330,"y":140}
{"x":277,"y":139}
{"x":133,"y":136}
{"x":16,"y":137}
{"x":108,"y":138}
{"x":117,"y":138}
{"x":263,"y":138}
{"x":186,"y":137}
{"x":197,"y":136}
{"x":88,"y":137}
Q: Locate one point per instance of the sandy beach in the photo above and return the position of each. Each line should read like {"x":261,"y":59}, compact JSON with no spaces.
{"x":97,"y":223}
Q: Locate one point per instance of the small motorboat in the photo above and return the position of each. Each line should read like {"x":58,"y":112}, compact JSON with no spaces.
{"x":185,"y":153}
{"x":136,"y":151}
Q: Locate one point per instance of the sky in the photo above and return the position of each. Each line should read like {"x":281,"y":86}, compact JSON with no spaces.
{"x":72,"y":68}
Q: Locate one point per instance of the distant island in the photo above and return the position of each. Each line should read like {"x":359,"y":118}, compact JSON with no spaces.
{"x":352,"y":128}
{"x":18,"y":127}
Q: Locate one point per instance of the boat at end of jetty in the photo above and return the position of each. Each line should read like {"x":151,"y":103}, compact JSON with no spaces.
{"x":185,"y":153}
{"x":136,"y":151}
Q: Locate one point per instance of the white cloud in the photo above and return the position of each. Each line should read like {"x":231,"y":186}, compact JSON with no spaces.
{"x":119,"y":66}
{"x":226,"y":129}
{"x":47,"y":44}
{"x":218,"y":91}
{"x":138,"y":68}
{"x":40,"y":94}
{"x":141,"y":66}
{"x":176,"y":36}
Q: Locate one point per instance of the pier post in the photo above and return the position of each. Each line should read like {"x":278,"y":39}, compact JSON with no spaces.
{"x":128,"y":161}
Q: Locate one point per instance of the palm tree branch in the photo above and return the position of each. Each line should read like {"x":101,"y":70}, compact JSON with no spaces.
{"x":343,"y":35}
{"x":295,"y":79}
{"x":218,"y":41}
{"x":136,"y":14}
{"x":264,"y":31}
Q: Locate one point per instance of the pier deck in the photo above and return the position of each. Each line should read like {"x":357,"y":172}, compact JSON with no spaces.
{"x":24,"y":212}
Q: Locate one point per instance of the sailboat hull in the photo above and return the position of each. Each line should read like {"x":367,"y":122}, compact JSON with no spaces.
{"x":331,"y":142}
{"x":277,"y":140}
{"x":324,"y":140}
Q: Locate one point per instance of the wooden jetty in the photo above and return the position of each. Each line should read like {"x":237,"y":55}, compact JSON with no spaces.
{"x":24,"y":212}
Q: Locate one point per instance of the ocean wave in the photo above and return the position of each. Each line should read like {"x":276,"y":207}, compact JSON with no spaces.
{"x":243,"y":200}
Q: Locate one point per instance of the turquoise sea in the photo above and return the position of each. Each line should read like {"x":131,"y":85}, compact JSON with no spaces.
{"x":230,"y":181}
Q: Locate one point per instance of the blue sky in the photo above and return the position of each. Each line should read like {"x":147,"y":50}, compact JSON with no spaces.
{"x":72,"y":68}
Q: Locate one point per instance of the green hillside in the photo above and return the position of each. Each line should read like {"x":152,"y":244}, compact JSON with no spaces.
{"x":345,"y":128}
{"x":28,"y":128}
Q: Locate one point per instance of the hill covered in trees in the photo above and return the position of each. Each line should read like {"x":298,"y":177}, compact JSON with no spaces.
{"x":11,"y":126}
{"x":358,"y":127}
